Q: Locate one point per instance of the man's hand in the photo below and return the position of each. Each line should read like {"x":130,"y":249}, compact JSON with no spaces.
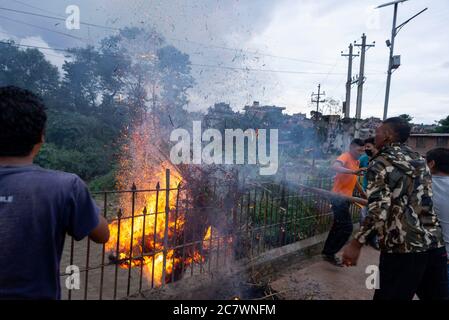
{"x":351,"y":253}
{"x":361,"y":191}
{"x":359,"y":172}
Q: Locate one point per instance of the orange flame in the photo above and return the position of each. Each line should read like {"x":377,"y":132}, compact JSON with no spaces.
{"x":139,"y":235}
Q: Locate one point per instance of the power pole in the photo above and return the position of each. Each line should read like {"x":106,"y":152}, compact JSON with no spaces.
{"x":393,"y":63}
{"x":318,"y":96}
{"x":390,"y":62}
{"x":347,"y":103}
{"x":317,"y":100}
{"x":361,"y":79}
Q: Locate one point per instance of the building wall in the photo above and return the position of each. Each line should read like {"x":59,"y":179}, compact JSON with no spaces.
{"x":422,"y":144}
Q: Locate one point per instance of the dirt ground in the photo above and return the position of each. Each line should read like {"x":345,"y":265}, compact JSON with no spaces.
{"x":319,"y":280}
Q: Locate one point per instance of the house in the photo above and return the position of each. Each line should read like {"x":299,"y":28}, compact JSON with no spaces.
{"x":219,"y":113}
{"x":423,"y":142}
{"x":258,"y":111}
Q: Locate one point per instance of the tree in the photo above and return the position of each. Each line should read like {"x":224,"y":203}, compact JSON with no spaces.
{"x":82,"y":83}
{"x":406,"y":117}
{"x":102,"y":92}
{"x":27,"y":69}
{"x":176,"y":79}
{"x":443,"y":126}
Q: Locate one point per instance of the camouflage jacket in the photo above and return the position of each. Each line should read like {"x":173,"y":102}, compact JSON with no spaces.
{"x":400,"y":205}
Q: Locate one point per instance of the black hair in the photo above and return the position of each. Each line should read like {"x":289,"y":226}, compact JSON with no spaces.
{"x":357,"y":142}
{"x":400,"y":127}
{"x":441,"y":158}
{"x":22,"y":121}
{"x":369,"y":140}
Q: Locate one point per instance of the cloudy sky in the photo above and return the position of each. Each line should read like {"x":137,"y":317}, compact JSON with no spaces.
{"x":275,"y":52}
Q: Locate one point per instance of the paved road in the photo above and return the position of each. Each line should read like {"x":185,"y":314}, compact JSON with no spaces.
{"x":320,"y":280}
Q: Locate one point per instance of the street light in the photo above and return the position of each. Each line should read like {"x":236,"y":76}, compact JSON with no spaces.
{"x":394,"y":61}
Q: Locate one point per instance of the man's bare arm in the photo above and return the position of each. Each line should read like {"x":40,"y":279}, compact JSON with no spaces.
{"x":339,"y":167}
{"x":101,"y":233}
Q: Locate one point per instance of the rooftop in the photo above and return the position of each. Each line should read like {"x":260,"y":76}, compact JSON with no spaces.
{"x":429,"y":135}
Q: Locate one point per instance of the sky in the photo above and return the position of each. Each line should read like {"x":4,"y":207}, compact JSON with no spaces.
{"x":274,"y":52}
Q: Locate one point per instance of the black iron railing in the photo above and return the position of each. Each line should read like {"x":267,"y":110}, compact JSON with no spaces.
{"x":163,"y":235}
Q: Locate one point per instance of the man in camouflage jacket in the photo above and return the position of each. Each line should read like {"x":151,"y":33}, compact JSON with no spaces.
{"x":413,"y":257}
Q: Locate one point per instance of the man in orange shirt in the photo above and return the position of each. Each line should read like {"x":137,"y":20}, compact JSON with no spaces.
{"x":347,"y":168}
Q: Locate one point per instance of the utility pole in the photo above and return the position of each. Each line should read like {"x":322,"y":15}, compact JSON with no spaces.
{"x":361,"y":79}
{"x":317,"y":100}
{"x":347,"y":103}
{"x":393,"y":61}
{"x":390,"y":61}
{"x":318,"y":96}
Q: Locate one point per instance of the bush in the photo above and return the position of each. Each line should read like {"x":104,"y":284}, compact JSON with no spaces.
{"x":104,"y":182}
{"x":87,"y":164}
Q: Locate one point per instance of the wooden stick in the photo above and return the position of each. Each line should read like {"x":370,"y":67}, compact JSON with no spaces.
{"x":334,"y":195}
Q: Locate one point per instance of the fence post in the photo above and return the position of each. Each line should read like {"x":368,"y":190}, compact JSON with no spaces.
{"x":133,"y":207}
{"x":103,"y":250}
{"x":174,"y":233}
{"x":167,"y":212}
{"x":156,"y":209}
{"x":144,"y":213}
{"x":117,"y":251}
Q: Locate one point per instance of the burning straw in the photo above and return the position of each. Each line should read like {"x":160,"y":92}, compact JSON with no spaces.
{"x":146,"y":234}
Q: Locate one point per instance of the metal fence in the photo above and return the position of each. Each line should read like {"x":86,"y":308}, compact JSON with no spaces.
{"x":163,"y":235}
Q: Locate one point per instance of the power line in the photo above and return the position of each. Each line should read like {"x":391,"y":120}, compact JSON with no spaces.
{"x":59,"y":18}
{"x":263,"y":70}
{"x":56,"y":18}
{"x":192,"y":64}
{"x":251,"y":52}
{"x":34,"y":47}
{"x":330,"y":71}
{"x":86,"y":41}
{"x":34,"y":7}
{"x":43,"y":28}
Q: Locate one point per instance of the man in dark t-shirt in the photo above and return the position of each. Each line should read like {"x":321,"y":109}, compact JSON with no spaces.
{"x":37,"y":206}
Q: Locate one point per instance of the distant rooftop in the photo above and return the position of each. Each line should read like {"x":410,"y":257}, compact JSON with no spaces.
{"x":256,"y":105}
{"x":429,"y":135}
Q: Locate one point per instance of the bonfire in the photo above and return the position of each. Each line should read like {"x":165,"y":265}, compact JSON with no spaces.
{"x":150,"y":225}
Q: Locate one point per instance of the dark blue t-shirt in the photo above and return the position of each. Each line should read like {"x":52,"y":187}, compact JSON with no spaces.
{"x":37,"y":208}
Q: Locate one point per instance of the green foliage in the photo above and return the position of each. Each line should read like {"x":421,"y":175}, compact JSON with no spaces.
{"x":100,"y":93}
{"x":283,"y":216}
{"x":104,"y":182}
{"x":406,"y":117}
{"x":27,"y":69}
{"x":443,"y":126}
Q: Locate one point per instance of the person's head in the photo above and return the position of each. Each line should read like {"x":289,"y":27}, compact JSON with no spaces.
{"x":370,"y":147}
{"x":356,"y":148}
{"x":22,"y":122}
{"x":392,"y":130}
{"x":438,"y":161}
